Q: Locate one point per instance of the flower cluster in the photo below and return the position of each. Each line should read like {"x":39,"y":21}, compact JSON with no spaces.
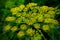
{"x":31,"y":16}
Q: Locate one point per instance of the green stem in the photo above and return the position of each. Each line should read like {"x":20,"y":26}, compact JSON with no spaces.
{"x":42,"y":34}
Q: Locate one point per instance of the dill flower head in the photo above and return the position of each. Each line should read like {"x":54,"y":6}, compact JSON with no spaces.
{"x":20,"y":34}
{"x":13,"y":29}
{"x":29,"y":17}
{"x":7,"y":28}
{"x":10,"y":18}
{"x":30,"y":31}
{"x":23,"y":27}
{"x":46,"y":27}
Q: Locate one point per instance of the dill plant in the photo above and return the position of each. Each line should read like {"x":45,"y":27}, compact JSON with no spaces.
{"x":29,"y":19}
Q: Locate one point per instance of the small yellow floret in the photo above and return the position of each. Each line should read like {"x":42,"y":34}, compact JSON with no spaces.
{"x":18,"y":20}
{"x":51,"y":8}
{"x":40,"y":18}
{"x":47,"y":15}
{"x":13,"y":29}
{"x":55,"y":22}
{"x":45,"y":27}
{"x":7,"y":28}
{"x":20,"y":34}
{"x":10,"y":18}
{"x":18,"y":14}
{"x":27,"y":21}
{"x":31,"y":4}
{"x":30,"y":31}
{"x":37,"y":26}
{"x":51,"y":12}
{"x":48,"y":20}
{"x":44,"y":8}
{"x":21,"y":7}
{"x":23,"y":26}
{"x":14,"y":10}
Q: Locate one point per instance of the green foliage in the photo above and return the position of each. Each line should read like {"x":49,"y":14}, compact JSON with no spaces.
{"x":40,"y":2}
{"x":55,"y":33}
{"x":4,"y":37}
{"x":13,"y":3}
{"x":9,"y":4}
{"x":19,"y":2}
